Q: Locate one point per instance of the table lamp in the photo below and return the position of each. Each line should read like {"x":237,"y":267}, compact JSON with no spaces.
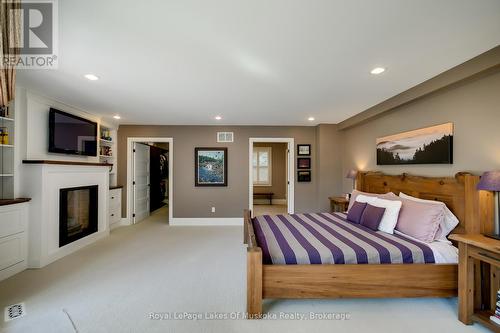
{"x":352,"y":174}
{"x":490,"y":181}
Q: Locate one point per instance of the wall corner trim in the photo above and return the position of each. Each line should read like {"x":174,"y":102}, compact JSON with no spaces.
{"x":206,"y":221}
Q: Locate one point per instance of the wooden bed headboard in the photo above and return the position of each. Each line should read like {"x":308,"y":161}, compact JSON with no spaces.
{"x":474,"y":209}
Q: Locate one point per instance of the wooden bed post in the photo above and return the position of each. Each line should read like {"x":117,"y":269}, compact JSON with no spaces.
{"x":254,"y":283}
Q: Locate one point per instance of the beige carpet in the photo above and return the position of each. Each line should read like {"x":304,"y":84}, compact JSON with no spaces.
{"x":114,"y":285}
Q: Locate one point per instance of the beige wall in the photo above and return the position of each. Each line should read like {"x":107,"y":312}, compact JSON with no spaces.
{"x":473,"y":107}
{"x":191,"y":201}
{"x":279,"y":177}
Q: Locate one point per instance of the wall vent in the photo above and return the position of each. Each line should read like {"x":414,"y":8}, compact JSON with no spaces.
{"x":14,"y":311}
{"x":225,"y":136}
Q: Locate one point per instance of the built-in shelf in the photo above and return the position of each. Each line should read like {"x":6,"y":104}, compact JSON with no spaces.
{"x":6,"y":119}
{"x":107,"y":141}
{"x":6,"y":146}
{"x":6,"y":175}
{"x":106,"y":156}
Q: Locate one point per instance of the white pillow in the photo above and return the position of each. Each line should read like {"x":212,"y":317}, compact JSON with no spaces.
{"x":391,"y":214}
{"x":449,"y":222}
{"x":365,"y":199}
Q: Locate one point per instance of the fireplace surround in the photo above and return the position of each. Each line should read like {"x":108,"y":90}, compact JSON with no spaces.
{"x":78,"y":208}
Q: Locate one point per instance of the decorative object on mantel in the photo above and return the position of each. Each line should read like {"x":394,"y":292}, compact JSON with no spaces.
{"x":210,"y":166}
{"x":352,"y":174}
{"x":430,"y":145}
{"x":303,"y":150}
{"x":490,"y":181}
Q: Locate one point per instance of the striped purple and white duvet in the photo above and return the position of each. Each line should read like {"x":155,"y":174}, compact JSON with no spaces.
{"x":326,"y":238}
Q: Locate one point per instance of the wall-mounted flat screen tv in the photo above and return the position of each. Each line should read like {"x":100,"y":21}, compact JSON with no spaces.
{"x":69,"y":134}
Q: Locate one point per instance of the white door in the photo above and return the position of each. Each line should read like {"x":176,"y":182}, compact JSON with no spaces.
{"x":141,"y":182}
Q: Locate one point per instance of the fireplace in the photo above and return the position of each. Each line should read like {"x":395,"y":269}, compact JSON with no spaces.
{"x":77,"y":213}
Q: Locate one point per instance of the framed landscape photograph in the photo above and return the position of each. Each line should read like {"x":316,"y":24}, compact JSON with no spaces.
{"x":210,"y":166}
{"x":303,"y":163}
{"x":303,"y":176}
{"x":303,"y":150}
{"x":430,"y":145}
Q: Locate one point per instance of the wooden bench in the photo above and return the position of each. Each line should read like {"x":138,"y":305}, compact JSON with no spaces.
{"x":268,"y":195}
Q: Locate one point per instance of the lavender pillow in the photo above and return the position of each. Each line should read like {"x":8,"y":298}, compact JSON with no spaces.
{"x":355,"y":194}
{"x":372,"y":216}
{"x":420,"y":220}
{"x":356,"y":212}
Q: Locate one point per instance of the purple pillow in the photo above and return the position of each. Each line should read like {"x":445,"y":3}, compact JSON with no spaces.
{"x":372,"y":216}
{"x":420,"y":220}
{"x":356,"y":212}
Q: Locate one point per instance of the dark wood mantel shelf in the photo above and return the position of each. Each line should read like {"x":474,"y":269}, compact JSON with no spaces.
{"x":5,"y":202}
{"x":66,"y":163}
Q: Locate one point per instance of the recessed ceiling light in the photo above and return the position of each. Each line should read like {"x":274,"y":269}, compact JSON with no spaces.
{"x":378,"y":70}
{"x":91,"y":77}
{"x":218,"y":118}
{"x":117,"y":117}
{"x":311,"y":119}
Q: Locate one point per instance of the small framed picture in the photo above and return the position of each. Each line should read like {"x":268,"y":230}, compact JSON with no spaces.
{"x":304,"y":176}
{"x":303,"y":150}
{"x":304,"y":163}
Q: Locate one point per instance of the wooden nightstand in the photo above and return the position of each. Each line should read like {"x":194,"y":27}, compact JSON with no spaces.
{"x":478,"y":278}
{"x":338,"y":204}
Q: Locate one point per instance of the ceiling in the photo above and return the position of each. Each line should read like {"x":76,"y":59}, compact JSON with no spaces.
{"x":258,"y":62}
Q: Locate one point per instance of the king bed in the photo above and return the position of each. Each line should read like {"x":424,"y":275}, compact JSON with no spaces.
{"x":323,"y":255}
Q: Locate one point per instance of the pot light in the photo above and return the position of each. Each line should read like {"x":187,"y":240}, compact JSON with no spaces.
{"x":91,"y":77}
{"x":311,"y":119}
{"x":218,"y":118}
{"x":117,"y":117}
{"x":378,"y":70}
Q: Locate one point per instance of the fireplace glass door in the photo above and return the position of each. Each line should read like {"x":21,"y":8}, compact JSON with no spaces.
{"x":78,"y":213}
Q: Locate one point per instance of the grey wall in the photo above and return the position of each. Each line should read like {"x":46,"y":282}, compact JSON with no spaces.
{"x":472,"y":106}
{"x":191,"y":201}
{"x":279,"y":177}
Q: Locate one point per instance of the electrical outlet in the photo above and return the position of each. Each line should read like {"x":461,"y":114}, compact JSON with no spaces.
{"x":213,"y":209}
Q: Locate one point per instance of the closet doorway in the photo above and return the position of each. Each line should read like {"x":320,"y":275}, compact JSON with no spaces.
{"x":149,"y":179}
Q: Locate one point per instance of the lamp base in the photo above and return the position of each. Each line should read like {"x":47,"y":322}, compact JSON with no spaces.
{"x":495,"y":236}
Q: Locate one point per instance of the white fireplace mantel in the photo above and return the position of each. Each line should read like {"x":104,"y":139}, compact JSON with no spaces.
{"x":42,"y":181}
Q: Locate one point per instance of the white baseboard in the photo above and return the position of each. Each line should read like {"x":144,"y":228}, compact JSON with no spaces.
{"x":206,"y":221}
{"x":266,"y":201}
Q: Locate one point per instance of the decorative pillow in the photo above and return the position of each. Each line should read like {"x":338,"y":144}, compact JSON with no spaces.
{"x":356,"y":212}
{"x":356,"y":193}
{"x":390,"y":218}
{"x":420,"y":220}
{"x":372,"y":216}
{"x":365,"y":198}
{"x":449,"y":222}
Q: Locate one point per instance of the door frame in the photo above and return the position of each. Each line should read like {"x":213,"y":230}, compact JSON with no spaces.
{"x":291,"y":170}
{"x":130,"y":172}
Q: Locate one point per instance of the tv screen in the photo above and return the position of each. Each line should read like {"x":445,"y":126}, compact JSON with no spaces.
{"x":69,"y":134}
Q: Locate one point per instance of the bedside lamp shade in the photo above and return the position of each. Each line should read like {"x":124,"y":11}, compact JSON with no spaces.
{"x":490,"y":181}
{"x":353,"y":173}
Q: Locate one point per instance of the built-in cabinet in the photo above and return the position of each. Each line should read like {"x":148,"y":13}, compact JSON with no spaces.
{"x":13,"y":239}
{"x":115,"y":207}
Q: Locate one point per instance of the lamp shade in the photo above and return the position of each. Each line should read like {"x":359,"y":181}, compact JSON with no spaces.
{"x":490,"y":181}
{"x":352,"y":174}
